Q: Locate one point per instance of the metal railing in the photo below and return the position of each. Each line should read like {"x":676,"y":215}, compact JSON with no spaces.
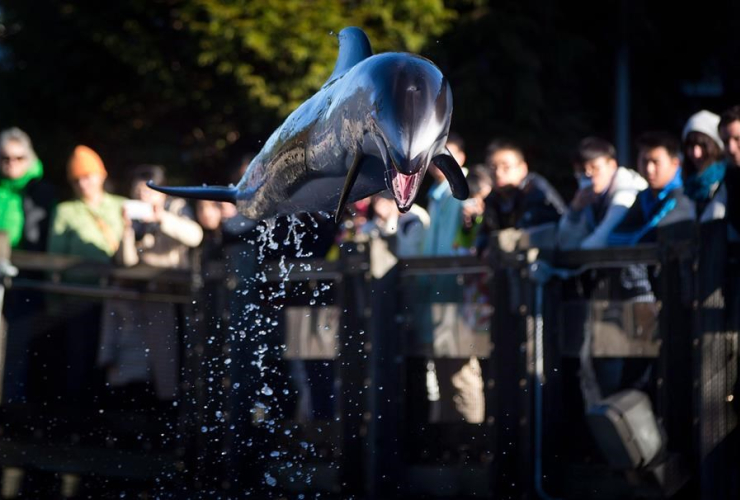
{"x":375,"y":432}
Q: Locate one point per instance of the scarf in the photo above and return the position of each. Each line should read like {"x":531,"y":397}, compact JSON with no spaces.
{"x":648,"y":204}
{"x":12,"y":217}
{"x":701,"y":186}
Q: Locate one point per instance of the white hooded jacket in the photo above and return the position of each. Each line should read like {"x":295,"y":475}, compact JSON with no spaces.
{"x":580,"y":230}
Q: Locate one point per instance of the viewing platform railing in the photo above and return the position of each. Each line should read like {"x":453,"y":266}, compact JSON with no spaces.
{"x":404,"y":378}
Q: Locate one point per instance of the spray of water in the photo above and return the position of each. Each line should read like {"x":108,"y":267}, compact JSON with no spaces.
{"x":257,"y":327}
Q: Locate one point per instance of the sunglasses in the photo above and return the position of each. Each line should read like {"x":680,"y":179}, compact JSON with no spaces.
{"x":8,"y":159}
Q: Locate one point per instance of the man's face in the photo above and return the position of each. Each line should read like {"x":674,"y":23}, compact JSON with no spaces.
{"x":657,"y":167}
{"x":730,"y":134}
{"x":601,"y":172}
{"x":15,"y":160}
{"x":509,"y":169}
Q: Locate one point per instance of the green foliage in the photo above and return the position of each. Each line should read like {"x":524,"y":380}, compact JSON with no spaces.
{"x":188,"y":83}
{"x":193,"y":84}
{"x":280,"y":51}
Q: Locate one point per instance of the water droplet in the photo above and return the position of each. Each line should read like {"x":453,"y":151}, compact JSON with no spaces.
{"x":269,"y":479}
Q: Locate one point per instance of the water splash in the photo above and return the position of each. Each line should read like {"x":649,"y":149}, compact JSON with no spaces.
{"x":253,"y":331}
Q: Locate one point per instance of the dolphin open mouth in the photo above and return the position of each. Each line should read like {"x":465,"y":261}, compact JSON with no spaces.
{"x":405,"y":187}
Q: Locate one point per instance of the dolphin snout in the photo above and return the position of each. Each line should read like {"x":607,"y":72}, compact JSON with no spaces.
{"x":405,"y":165}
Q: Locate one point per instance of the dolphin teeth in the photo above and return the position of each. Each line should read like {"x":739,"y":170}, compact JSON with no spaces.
{"x":405,"y":188}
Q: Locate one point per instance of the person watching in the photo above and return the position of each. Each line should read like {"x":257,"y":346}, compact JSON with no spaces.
{"x":663,"y":202}
{"x":606,"y":192}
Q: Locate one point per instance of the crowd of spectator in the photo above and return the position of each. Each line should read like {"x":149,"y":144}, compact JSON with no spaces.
{"x":674,"y":180}
{"x":695,"y":178}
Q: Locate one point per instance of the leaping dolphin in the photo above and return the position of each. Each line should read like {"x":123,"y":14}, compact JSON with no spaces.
{"x":376,"y":124}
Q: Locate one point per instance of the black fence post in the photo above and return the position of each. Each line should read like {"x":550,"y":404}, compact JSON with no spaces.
{"x":512,"y":331}
{"x":354,"y":386}
{"x":385,"y":462}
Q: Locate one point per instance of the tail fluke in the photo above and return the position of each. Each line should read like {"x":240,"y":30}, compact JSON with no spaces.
{"x":213,"y":193}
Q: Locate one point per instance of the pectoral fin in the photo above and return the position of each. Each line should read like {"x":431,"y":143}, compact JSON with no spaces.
{"x":454,"y":174}
{"x":349,"y":182}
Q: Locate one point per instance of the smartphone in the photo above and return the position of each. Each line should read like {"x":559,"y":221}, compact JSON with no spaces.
{"x":138,"y":210}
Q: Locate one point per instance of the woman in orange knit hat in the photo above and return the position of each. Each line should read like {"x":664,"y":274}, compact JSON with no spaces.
{"x":90,"y":226}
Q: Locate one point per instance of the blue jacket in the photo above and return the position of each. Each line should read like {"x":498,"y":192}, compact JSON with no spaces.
{"x":651,"y":211}
{"x":445,"y":214}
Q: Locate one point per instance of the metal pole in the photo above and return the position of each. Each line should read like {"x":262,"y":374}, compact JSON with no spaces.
{"x":540,"y":273}
{"x":622,"y":91}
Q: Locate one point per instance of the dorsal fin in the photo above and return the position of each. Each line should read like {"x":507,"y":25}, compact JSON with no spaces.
{"x":354,"y":46}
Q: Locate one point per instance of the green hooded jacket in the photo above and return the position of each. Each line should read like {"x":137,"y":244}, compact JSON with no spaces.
{"x":12,"y":217}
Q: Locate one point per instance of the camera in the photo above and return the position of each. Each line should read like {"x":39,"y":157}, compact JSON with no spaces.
{"x":138,"y":210}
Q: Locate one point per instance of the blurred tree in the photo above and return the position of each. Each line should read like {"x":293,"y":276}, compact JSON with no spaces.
{"x":281,"y":50}
{"x":188,"y":83}
{"x":194,"y":84}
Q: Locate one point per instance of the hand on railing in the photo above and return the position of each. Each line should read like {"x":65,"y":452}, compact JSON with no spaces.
{"x":7,"y":269}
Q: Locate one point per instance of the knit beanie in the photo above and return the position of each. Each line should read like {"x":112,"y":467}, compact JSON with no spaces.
{"x":84,"y":161}
{"x":705,"y":122}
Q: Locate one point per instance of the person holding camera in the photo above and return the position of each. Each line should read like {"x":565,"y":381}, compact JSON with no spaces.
{"x":139,"y":344}
{"x":159,"y":230}
{"x":520,"y":199}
